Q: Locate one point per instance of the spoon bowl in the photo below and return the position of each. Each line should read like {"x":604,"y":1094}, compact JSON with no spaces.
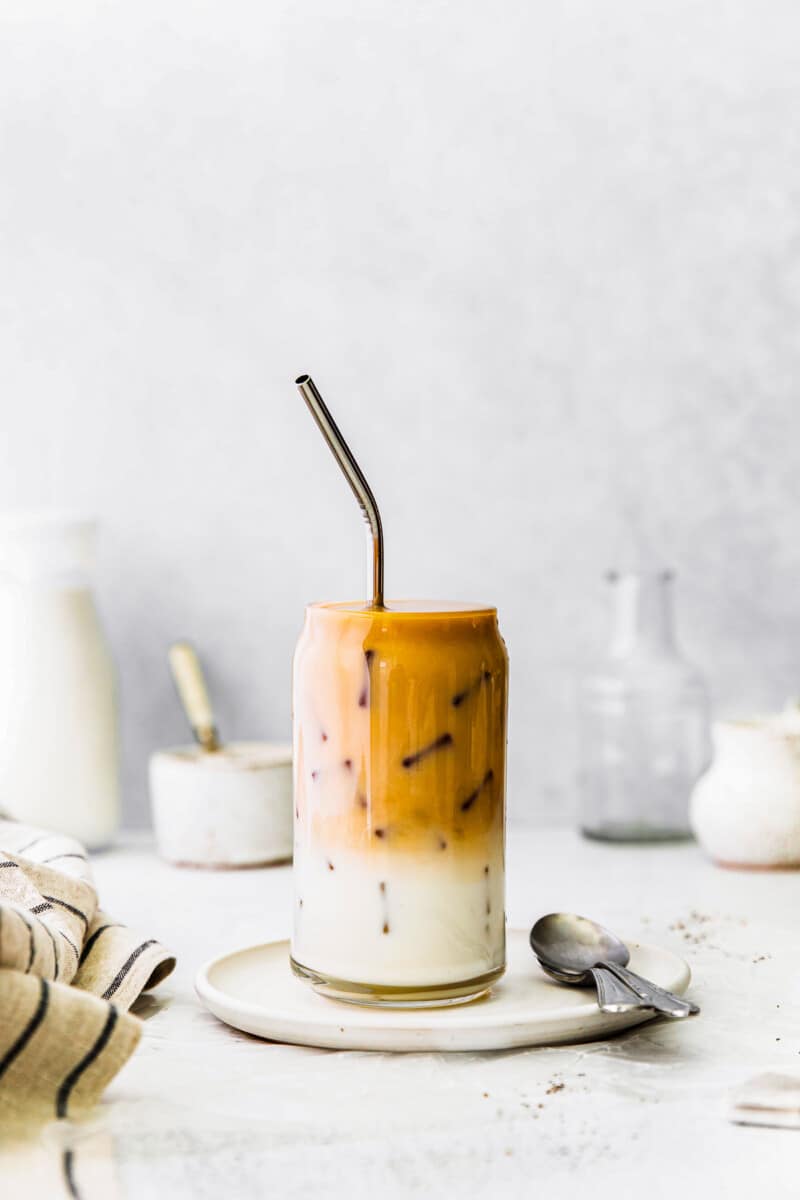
{"x":574,"y":944}
{"x":576,"y":979}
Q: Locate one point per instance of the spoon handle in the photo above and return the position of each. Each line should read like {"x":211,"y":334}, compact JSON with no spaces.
{"x":660,"y":993}
{"x":191,"y":685}
{"x":614,"y":996}
{"x":667,"y":1003}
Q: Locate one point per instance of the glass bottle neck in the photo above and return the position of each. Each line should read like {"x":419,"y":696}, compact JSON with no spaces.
{"x":642,"y":615}
{"x":52,"y":549}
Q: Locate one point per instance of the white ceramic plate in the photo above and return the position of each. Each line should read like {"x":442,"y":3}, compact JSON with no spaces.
{"x":255,"y":990}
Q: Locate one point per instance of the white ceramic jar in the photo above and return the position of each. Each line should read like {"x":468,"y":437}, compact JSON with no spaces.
{"x":58,"y":720}
{"x":229,"y":808}
{"x":745,"y":811}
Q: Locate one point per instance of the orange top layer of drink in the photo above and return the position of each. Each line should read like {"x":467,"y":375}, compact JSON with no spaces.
{"x":400,"y":719}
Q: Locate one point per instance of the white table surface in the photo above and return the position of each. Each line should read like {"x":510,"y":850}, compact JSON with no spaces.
{"x":201,"y":1111}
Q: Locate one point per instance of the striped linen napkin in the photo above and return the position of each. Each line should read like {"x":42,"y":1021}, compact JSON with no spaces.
{"x":68,"y":974}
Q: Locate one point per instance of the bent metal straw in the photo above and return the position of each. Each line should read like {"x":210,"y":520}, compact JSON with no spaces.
{"x":354,"y":476}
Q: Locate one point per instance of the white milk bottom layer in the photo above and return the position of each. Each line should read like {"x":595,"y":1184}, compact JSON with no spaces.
{"x":396,"y":920}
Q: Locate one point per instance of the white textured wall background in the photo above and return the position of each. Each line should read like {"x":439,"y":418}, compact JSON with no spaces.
{"x":544,"y":261}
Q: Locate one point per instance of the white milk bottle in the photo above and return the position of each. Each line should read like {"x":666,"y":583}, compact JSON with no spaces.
{"x":59,"y":762}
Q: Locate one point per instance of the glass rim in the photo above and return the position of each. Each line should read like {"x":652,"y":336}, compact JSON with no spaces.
{"x":421,"y":608}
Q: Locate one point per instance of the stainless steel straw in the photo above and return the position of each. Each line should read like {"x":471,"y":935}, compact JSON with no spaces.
{"x":354,"y":476}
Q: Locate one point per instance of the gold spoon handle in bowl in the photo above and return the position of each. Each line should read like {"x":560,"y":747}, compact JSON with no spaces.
{"x":191,"y":685}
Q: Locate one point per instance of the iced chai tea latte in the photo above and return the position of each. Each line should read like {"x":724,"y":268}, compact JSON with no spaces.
{"x":399,"y":760}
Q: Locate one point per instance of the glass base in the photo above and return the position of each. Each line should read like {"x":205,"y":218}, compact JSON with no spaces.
{"x":379,"y":995}
{"x":623,"y":832}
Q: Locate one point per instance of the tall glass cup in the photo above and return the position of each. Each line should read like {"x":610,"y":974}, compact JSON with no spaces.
{"x":399,"y":760}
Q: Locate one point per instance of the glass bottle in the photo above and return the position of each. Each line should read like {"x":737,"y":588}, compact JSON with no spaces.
{"x":643,"y":721}
{"x":59,"y":766}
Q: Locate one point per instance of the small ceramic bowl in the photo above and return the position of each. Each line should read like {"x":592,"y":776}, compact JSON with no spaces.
{"x":232,"y":808}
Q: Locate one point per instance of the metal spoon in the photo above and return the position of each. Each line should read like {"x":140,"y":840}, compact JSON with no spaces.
{"x":574,"y":946}
{"x":612,"y":995}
